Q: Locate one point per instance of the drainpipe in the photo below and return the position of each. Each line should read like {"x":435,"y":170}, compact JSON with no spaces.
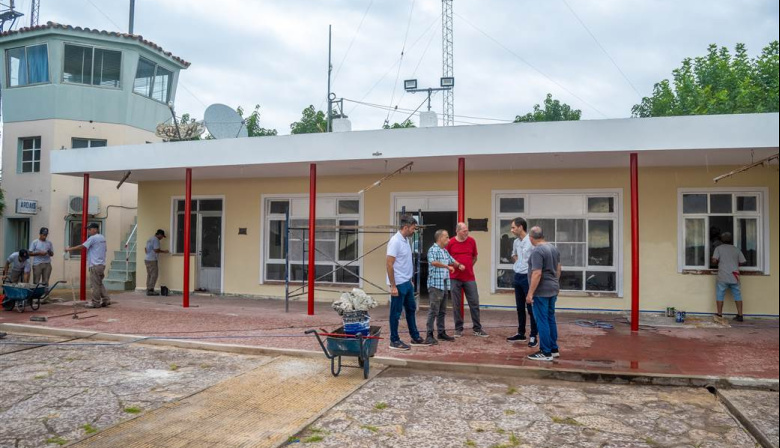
{"x":312,"y":228}
{"x":634,"y":244}
{"x":187,"y":217}
{"x":84,"y":215}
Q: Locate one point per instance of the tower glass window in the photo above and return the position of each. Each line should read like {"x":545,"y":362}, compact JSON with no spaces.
{"x":153,"y":81}
{"x":27,"y":65}
{"x":92,"y":66}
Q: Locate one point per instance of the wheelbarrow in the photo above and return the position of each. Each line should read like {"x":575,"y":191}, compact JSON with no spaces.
{"x":338,"y":343}
{"x":18,"y":297}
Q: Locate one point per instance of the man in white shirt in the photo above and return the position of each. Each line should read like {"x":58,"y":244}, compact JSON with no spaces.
{"x":400,"y":271}
{"x":521,"y":251}
{"x":17,"y":267}
{"x":96,"y":260}
{"x":153,"y":252}
{"x":42,"y":250}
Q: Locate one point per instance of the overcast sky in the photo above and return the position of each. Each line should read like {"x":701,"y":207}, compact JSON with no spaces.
{"x":508,"y":53}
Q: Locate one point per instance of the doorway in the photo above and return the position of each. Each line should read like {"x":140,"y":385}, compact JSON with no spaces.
{"x":433,"y":221}
{"x":17,"y":235}
{"x":209,"y":258}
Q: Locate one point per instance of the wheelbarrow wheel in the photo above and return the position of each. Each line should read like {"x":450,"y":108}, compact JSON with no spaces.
{"x":20,"y":304}
{"x":365,"y":364}
{"x":334,"y":369}
{"x":8,"y":305}
{"x":35,"y":304}
{"x":360,"y":361}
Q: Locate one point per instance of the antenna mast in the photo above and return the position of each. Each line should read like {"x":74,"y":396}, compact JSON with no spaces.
{"x":35,"y":11}
{"x":447,"y":67}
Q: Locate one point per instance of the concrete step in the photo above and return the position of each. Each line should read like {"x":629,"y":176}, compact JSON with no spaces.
{"x":119,"y":285}
{"x":120,"y":264}
{"x":120,"y":275}
{"x":120,"y":255}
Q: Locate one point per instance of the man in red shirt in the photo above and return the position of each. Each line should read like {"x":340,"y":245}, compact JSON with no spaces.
{"x":463,"y":249}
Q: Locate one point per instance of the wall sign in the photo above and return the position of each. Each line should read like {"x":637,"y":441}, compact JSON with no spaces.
{"x":26,"y":207}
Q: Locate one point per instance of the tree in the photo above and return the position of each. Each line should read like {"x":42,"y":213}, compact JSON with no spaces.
{"x":312,"y":121}
{"x":253,"y":127}
{"x":718,"y":83}
{"x":405,"y":124}
{"x":553,"y":110}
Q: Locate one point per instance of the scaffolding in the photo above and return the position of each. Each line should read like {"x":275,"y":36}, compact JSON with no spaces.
{"x":416,"y":242}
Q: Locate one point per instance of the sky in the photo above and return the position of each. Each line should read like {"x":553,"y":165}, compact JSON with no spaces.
{"x":599,"y":56}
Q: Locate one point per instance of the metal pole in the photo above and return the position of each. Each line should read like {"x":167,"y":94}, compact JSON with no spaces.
{"x":462,"y":210}
{"x":132,"y":16}
{"x":330,"y":68}
{"x":187,"y":229}
{"x":634,"y":244}
{"x":312,"y":229}
{"x":287,"y":260}
{"x":84,"y":214}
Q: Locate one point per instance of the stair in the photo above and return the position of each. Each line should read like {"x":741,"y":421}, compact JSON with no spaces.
{"x":121,"y":274}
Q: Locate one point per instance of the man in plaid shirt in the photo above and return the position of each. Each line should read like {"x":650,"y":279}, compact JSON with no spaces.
{"x":440,"y":265}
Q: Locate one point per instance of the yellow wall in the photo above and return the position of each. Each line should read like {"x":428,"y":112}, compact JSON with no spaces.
{"x":661,"y":284}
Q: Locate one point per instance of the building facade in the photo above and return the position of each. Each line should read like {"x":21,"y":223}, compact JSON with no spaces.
{"x":65,"y":88}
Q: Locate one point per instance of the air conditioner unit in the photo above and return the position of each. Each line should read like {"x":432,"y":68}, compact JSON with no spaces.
{"x":76,"y":205}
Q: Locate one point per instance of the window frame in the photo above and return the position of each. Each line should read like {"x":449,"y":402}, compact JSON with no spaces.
{"x":89,"y":142}
{"x":616,"y":216}
{"x":76,"y":254}
{"x":266,"y":217}
{"x":92,"y":74}
{"x":150,"y":93}
{"x":761,"y":215}
{"x":8,"y":71}
{"x":20,"y":154}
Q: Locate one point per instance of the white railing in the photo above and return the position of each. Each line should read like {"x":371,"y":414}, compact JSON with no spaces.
{"x":127,"y":252}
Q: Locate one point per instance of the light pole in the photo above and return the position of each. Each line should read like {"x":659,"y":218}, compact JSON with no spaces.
{"x":446,"y":83}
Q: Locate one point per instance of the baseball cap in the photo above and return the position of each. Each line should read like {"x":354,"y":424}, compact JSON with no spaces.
{"x":44,"y":231}
{"x":93,"y":225}
{"x":24,"y":254}
{"x":161,"y":232}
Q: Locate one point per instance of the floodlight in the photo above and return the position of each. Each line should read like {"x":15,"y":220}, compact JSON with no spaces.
{"x":410,"y":84}
{"x":448,"y":82}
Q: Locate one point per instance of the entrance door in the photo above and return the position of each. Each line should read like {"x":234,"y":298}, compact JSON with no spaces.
{"x":17,"y":235}
{"x":209,"y":252}
{"x":433,"y":221}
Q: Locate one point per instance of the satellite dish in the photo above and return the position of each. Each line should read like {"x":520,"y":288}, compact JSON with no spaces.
{"x":224,"y":122}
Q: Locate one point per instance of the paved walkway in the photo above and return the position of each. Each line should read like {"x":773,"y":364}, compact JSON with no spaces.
{"x":699,"y":347}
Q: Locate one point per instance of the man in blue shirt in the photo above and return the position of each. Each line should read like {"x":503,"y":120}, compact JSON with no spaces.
{"x":440,"y":266}
{"x":96,"y":260}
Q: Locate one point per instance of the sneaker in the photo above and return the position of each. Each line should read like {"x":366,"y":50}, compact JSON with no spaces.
{"x":446,"y":337}
{"x":739,"y":318}
{"x":91,"y":305}
{"x":533,"y":342}
{"x":539,"y":356}
{"x":555,"y":353}
{"x":515,"y":338}
{"x":458,"y":333}
{"x":399,"y":345}
{"x":430,"y":340}
{"x":480,"y":333}
{"x":420,"y":342}
{"x":105,"y":304}
{"x":152,"y":293}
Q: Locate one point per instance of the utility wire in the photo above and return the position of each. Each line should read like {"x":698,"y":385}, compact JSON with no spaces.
{"x":400,"y":62}
{"x":400,"y":109}
{"x":425,"y":51}
{"x":602,"y":48}
{"x":119,"y":28}
{"x":357,"y":31}
{"x":531,"y":65}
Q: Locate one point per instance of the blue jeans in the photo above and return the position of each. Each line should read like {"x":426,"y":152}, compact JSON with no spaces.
{"x":721,"y":291}
{"x":521,"y":291}
{"x":544,"y":313}
{"x":403,"y":302}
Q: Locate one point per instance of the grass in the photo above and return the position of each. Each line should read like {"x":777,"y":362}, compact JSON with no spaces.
{"x":513,"y":442}
{"x":480,"y":430}
{"x":651,"y":442}
{"x":566,"y":421}
{"x":292,"y":439}
{"x":509,"y":412}
{"x":89,"y":429}
{"x":57,"y":440}
{"x":173,"y":367}
{"x":41,"y":376}
{"x":313,"y":439}
{"x":370,"y":428}
{"x":511,"y":390}
{"x":471,"y":443}
{"x":132,"y":410}
{"x":500,"y":431}
{"x":380,"y":406}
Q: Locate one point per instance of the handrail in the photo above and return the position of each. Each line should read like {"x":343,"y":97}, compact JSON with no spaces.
{"x":127,"y":252}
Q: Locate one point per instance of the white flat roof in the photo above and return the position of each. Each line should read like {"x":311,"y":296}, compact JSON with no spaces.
{"x":668,"y":141}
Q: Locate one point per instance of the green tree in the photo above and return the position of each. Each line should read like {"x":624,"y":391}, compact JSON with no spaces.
{"x":253,"y":127}
{"x":312,"y":121}
{"x":717,"y":83}
{"x":553,"y":110}
{"x":405,"y":124}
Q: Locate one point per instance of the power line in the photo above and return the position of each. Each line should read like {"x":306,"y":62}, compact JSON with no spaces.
{"x":531,"y":65}
{"x":602,"y":48}
{"x":400,"y":62}
{"x":400,"y":109}
{"x":425,"y":51}
{"x":360,"y":25}
{"x":105,"y":15}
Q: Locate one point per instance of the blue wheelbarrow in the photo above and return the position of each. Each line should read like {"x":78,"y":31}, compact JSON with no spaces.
{"x":18,"y":297}
{"x":338,"y":343}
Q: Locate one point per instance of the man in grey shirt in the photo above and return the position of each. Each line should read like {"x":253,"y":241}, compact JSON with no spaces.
{"x":42,"y":250}
{"x":728,"y":259}
{"x":96,"y":260}
{"x":544,"y":265}
{"x":153,"y":252}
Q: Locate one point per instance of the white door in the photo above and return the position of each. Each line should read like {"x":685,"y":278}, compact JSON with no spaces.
{"x":210,"y":251}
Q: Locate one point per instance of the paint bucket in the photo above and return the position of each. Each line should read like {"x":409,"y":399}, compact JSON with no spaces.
{"x":670,"y":312}
{"x":680,"y":317}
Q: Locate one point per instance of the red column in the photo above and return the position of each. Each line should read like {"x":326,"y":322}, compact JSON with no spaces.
{"x":634,"y":244}
{"x":312,"y":228}
{"x":462,"y":210}
{"x":84,"y":214}
{"x":187,"y":229}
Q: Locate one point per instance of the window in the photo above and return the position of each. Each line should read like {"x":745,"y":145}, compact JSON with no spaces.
{"x":92,"y":66}
{"x":73,"y":236}
{"x":196,"y":205}
{"x":337,"y":242}
{"x":27,"y":65}
{"x":153,"y":81}
{"x":706,"y":215}
{"x":29,"y":155}
{"x":582,"y":226}
{"x":78,"y":143}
